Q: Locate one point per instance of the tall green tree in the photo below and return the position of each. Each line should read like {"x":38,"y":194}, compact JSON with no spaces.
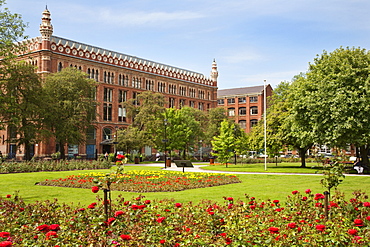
{"x":22,"y":104}
{"x":333,"y":101}
{"x":212,"y":123}
{"x":225,"y":143}
{"x":71,"y":104}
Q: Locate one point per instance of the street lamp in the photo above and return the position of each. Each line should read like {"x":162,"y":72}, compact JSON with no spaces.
{"x":200,"y":149}
{"x":234,"y":145}
{"x":165,"y":142}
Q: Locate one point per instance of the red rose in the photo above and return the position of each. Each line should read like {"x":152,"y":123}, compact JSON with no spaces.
{"x":366,"y":204}
{"x":5,"y":244}
{"x":125,"y":237}
{"x":230,"y":199}
{"x":95,"y":189}
{"x":295,"y":192}
{"x":308,"y":191}
{"x":292,"y":225}
{"x":4,"y":234}
{"x":8,"y":196}
{"x":178,"y":205}
{"x":273,"y":230}
{"x":91,"y":206}
{"x":352,"y":231}
{"x":147,"y":202}
{"x":368,"y":217}
{"x":358,"y":222}
{"x":160,"y":219}
{"x":51,"y":234}
{"x":319,"y":196}
{"x":304,"y":198}
{"x":118,"y":213}
{"x":162,"y":241}
{"x":275,"y":201}
{"x":54,"y":227}
{"x":43,"y":228}
{"x":110,"y":220}
{"x":321,"y":228}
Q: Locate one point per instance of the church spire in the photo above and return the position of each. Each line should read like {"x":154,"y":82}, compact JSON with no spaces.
{"x":46,"y":29}
{"x":214,"y":72}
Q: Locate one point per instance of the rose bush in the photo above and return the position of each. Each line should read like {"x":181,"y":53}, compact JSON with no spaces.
{"x":135,"y":222}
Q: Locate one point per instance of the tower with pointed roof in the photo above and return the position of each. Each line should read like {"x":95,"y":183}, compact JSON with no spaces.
{"x":214,"y":73}
{"x":46,"y":30}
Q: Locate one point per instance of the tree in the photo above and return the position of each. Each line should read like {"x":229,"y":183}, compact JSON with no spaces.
{"x":212,"y":123}
{"x":224,"y":144}
{"x":22,"y":104}
{"x":71,"y":104}
{"x":333,"y":101}
{"x":11,"y":30}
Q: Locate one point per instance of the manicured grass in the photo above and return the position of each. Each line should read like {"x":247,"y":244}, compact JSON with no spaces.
{"x":261,"y":186}
{"x":284,"y":167}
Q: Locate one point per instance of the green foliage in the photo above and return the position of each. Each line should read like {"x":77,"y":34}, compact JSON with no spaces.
{"x":333,"y":176}
{"x":71,"y":106}
{"x":224,"y":144}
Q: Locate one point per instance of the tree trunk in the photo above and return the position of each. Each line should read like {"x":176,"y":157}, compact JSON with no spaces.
{"x":364,"y":150}
{"x":27,"y":151}
{"x":62,"y":150}
{"x":302,"y":154}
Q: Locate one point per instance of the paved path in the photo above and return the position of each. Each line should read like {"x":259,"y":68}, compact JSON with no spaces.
{"x":198,"y":168}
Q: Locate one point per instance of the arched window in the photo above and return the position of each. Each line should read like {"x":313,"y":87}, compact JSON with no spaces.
{"x":231,"y":112}
{"x":254,"y":110}
{"x":242,"y":111}
{"x":107,"y":134}
{"x":60,"y":66}
{"x":253,"y":122}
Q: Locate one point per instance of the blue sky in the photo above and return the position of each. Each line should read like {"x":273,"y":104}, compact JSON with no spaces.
{"x":252,"y":40}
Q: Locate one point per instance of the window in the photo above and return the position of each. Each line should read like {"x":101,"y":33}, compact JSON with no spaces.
{"x":242,"y":100}
{"x":136,"y":82}
{"x":172,"y":103}
{"x":201,"y":94}
{"x":107,"y":134}
{"x":242,"y":111}
{"x":253,"y":99}
{"x":182,"y":103}
{"x":121,"y":80}
{"x":192,"y":92}
{"x":60,"y":66}
{"x":253,"y":122}
{"x":243,"y":124}
{"x":231,"y":112}
{"x":122,"y":96}
{"x":182,"y":90}
{"x":254,"y":110}
{"x":201,"y":106}
{"x":231,"y":101}
{"x":149,"y":85}
{"x":108,"y":94}
{"x":107,"y":112}
{"x":161,"y":87}
{"x":192,"y":103}
{"x":90,"y":133}
{"x":121,"y":114}
{"x":220,"y":101}
{"x":134,"y":96}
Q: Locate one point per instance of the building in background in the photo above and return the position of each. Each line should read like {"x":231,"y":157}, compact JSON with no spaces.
{"x":121,"y":77}
{"x":245,"y":104}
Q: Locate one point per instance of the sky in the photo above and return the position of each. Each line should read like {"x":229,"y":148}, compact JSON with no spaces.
{"x":251,"y":41}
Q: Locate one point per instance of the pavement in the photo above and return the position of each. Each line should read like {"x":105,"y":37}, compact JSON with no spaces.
{"x":198,"y":168}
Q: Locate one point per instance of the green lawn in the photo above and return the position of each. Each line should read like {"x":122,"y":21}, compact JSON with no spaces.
{"x":261,"y":186}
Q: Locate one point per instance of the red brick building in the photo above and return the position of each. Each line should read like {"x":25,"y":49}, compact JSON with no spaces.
{"x":245,"y":105}
{"x":120,"y":76}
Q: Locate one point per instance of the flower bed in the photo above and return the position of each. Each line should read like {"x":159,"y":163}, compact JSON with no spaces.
{"x":146,"y":181}
{"x":53,"y":165}
{"x":140,"y":222}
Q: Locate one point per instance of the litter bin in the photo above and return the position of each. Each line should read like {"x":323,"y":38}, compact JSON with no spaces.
{"x":168,"y":162}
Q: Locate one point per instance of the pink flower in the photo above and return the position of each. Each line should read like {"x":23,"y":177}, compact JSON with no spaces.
{"x":352,"y":231}
{"x":95,"y":189}
{"x":308,"y":191}
{"x":358,"y":222}
{"x":125,"y":237}
{"x":320,"y":228}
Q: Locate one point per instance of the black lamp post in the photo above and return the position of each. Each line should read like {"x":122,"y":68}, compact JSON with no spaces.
{"x":165,"y":143}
